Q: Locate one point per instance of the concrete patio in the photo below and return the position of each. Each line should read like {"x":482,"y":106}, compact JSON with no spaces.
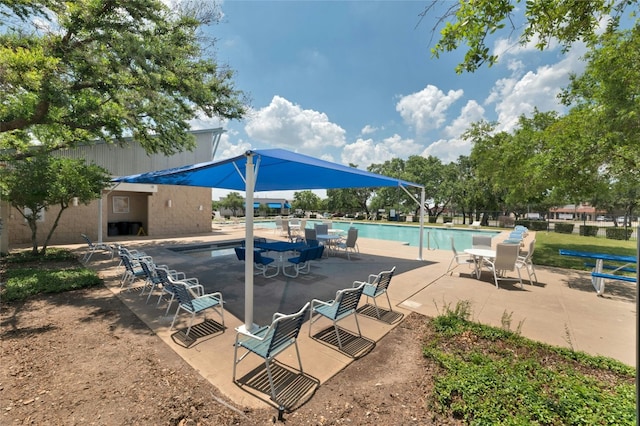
{"x":561,"y":309}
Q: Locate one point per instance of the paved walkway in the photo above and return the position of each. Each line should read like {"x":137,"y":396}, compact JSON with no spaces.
{"x":561,"y":309}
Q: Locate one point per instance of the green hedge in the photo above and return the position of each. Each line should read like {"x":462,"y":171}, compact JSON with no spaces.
{"x":564,"y":228}
{"x":619,"y":233}
{"x":589,"y":230}
{"x":533,"y":225}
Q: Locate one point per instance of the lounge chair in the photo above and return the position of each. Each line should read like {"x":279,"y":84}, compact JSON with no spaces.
{"x":193,"y":303}
{"x":268,"y":342}
{"x":475,"y":225}
{"x":344,"y":304}
{"x":377,"y":285}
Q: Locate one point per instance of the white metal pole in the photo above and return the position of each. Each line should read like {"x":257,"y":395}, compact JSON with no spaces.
{"x":100,"y":219}
{"x":421,"y":223}
{"x":248,"y":264}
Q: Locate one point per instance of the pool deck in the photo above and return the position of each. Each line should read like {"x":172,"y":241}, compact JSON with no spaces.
{"x":562,"y":309}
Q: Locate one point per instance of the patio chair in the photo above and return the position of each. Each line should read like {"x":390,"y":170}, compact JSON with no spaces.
{"x":377,"y":285}
{"x":93,"y":247}
{"x":505,"y":260}
{"x":310,"y":234}
{"x":481,"y":241}
{"x":475,"y":225}
{"x":526,"y":262}
{"x":132,"y":270}
{"x":301,"y":264}
{"x":349,"y":245}
{"x":169,"y":280}
{"x":278,"y":227}
{"x":344,"y":304}
{"x":458,"y":258}
{"x":267,"y":342}
{"x":193,"y":303}
{"x":262,"y":263}
{"x":322,"y":229}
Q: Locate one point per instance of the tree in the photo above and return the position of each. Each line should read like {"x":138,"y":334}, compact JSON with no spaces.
{"x":349,"y":200}
{"x":305,"y":201}
{"x":103,"y":69}
{"x":37,"y":183}
{"x":471,"y":23}
{"x":234,"y":202}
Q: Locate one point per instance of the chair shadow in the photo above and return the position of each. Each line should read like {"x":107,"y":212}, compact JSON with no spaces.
{"x":205,"y":329}
{"x":293,"y":388}
{"x":353,"y":345}
{"x":387,"y":317}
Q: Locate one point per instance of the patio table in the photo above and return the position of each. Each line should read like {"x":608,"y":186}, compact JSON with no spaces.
{"x":280,"y":247}
{"x":479,"y":254}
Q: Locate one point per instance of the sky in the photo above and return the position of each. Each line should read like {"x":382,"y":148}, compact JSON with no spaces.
{"x":355,"y":82}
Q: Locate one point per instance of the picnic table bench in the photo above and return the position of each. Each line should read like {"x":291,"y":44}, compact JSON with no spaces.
{"x":623,"y":264}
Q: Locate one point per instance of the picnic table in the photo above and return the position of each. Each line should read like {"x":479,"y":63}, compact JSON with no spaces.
{"x":615,"y":264}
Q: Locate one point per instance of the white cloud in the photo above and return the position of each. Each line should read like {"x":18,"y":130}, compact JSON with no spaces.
{"x":515,"y":96}
{"x":470,"y":113}
{"x":368,"y":129}
{"x":448,"y":150}
{"x":286,"y":125}
{"x":226,"y":149}
{"x":364,"y":152}
{"x":426,"y":110}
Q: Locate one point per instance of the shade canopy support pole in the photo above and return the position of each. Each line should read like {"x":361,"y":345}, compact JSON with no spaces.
{"x":421,"y":204}
{"x":250,"y":174}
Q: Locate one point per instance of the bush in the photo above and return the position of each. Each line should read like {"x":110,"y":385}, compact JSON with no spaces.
{"x":432,"y":219}
{"x":533,"y":225}
{"x":563,"y":228}
{"x":507,"y":222}
{"x":589,"y":231}
{"x":619,"y":233}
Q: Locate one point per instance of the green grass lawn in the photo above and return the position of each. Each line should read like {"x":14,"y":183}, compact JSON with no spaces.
{"x":548,"y":245}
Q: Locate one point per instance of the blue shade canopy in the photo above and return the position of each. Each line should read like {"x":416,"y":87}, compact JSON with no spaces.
{"x":274,"y":205}
{"x":276,"y":170}
{"x":268,"y":170}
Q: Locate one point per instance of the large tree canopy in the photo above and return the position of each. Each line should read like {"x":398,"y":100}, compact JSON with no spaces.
{"x":471,"y":23}
{"x":104,"y":69}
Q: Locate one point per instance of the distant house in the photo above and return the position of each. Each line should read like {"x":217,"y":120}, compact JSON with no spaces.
{"x":583,"y":211}
{"x":126,"y":209}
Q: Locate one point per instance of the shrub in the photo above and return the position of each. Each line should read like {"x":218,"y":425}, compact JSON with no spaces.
{"x":432,"y":219}
{"x":563,"y":228}
{"x":507,"y":222}
{"x":533,"y":225}
{"x":619,"y":233}
{"x":589,"y":230}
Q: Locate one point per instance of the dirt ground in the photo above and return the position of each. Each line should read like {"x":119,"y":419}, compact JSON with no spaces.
{"x":83,"y":357}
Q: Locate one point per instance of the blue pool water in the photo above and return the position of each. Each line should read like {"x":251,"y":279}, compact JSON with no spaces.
{"x":434,"y":237}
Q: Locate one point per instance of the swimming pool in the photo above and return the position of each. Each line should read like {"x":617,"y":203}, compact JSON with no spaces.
{"x":434,"y":237}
